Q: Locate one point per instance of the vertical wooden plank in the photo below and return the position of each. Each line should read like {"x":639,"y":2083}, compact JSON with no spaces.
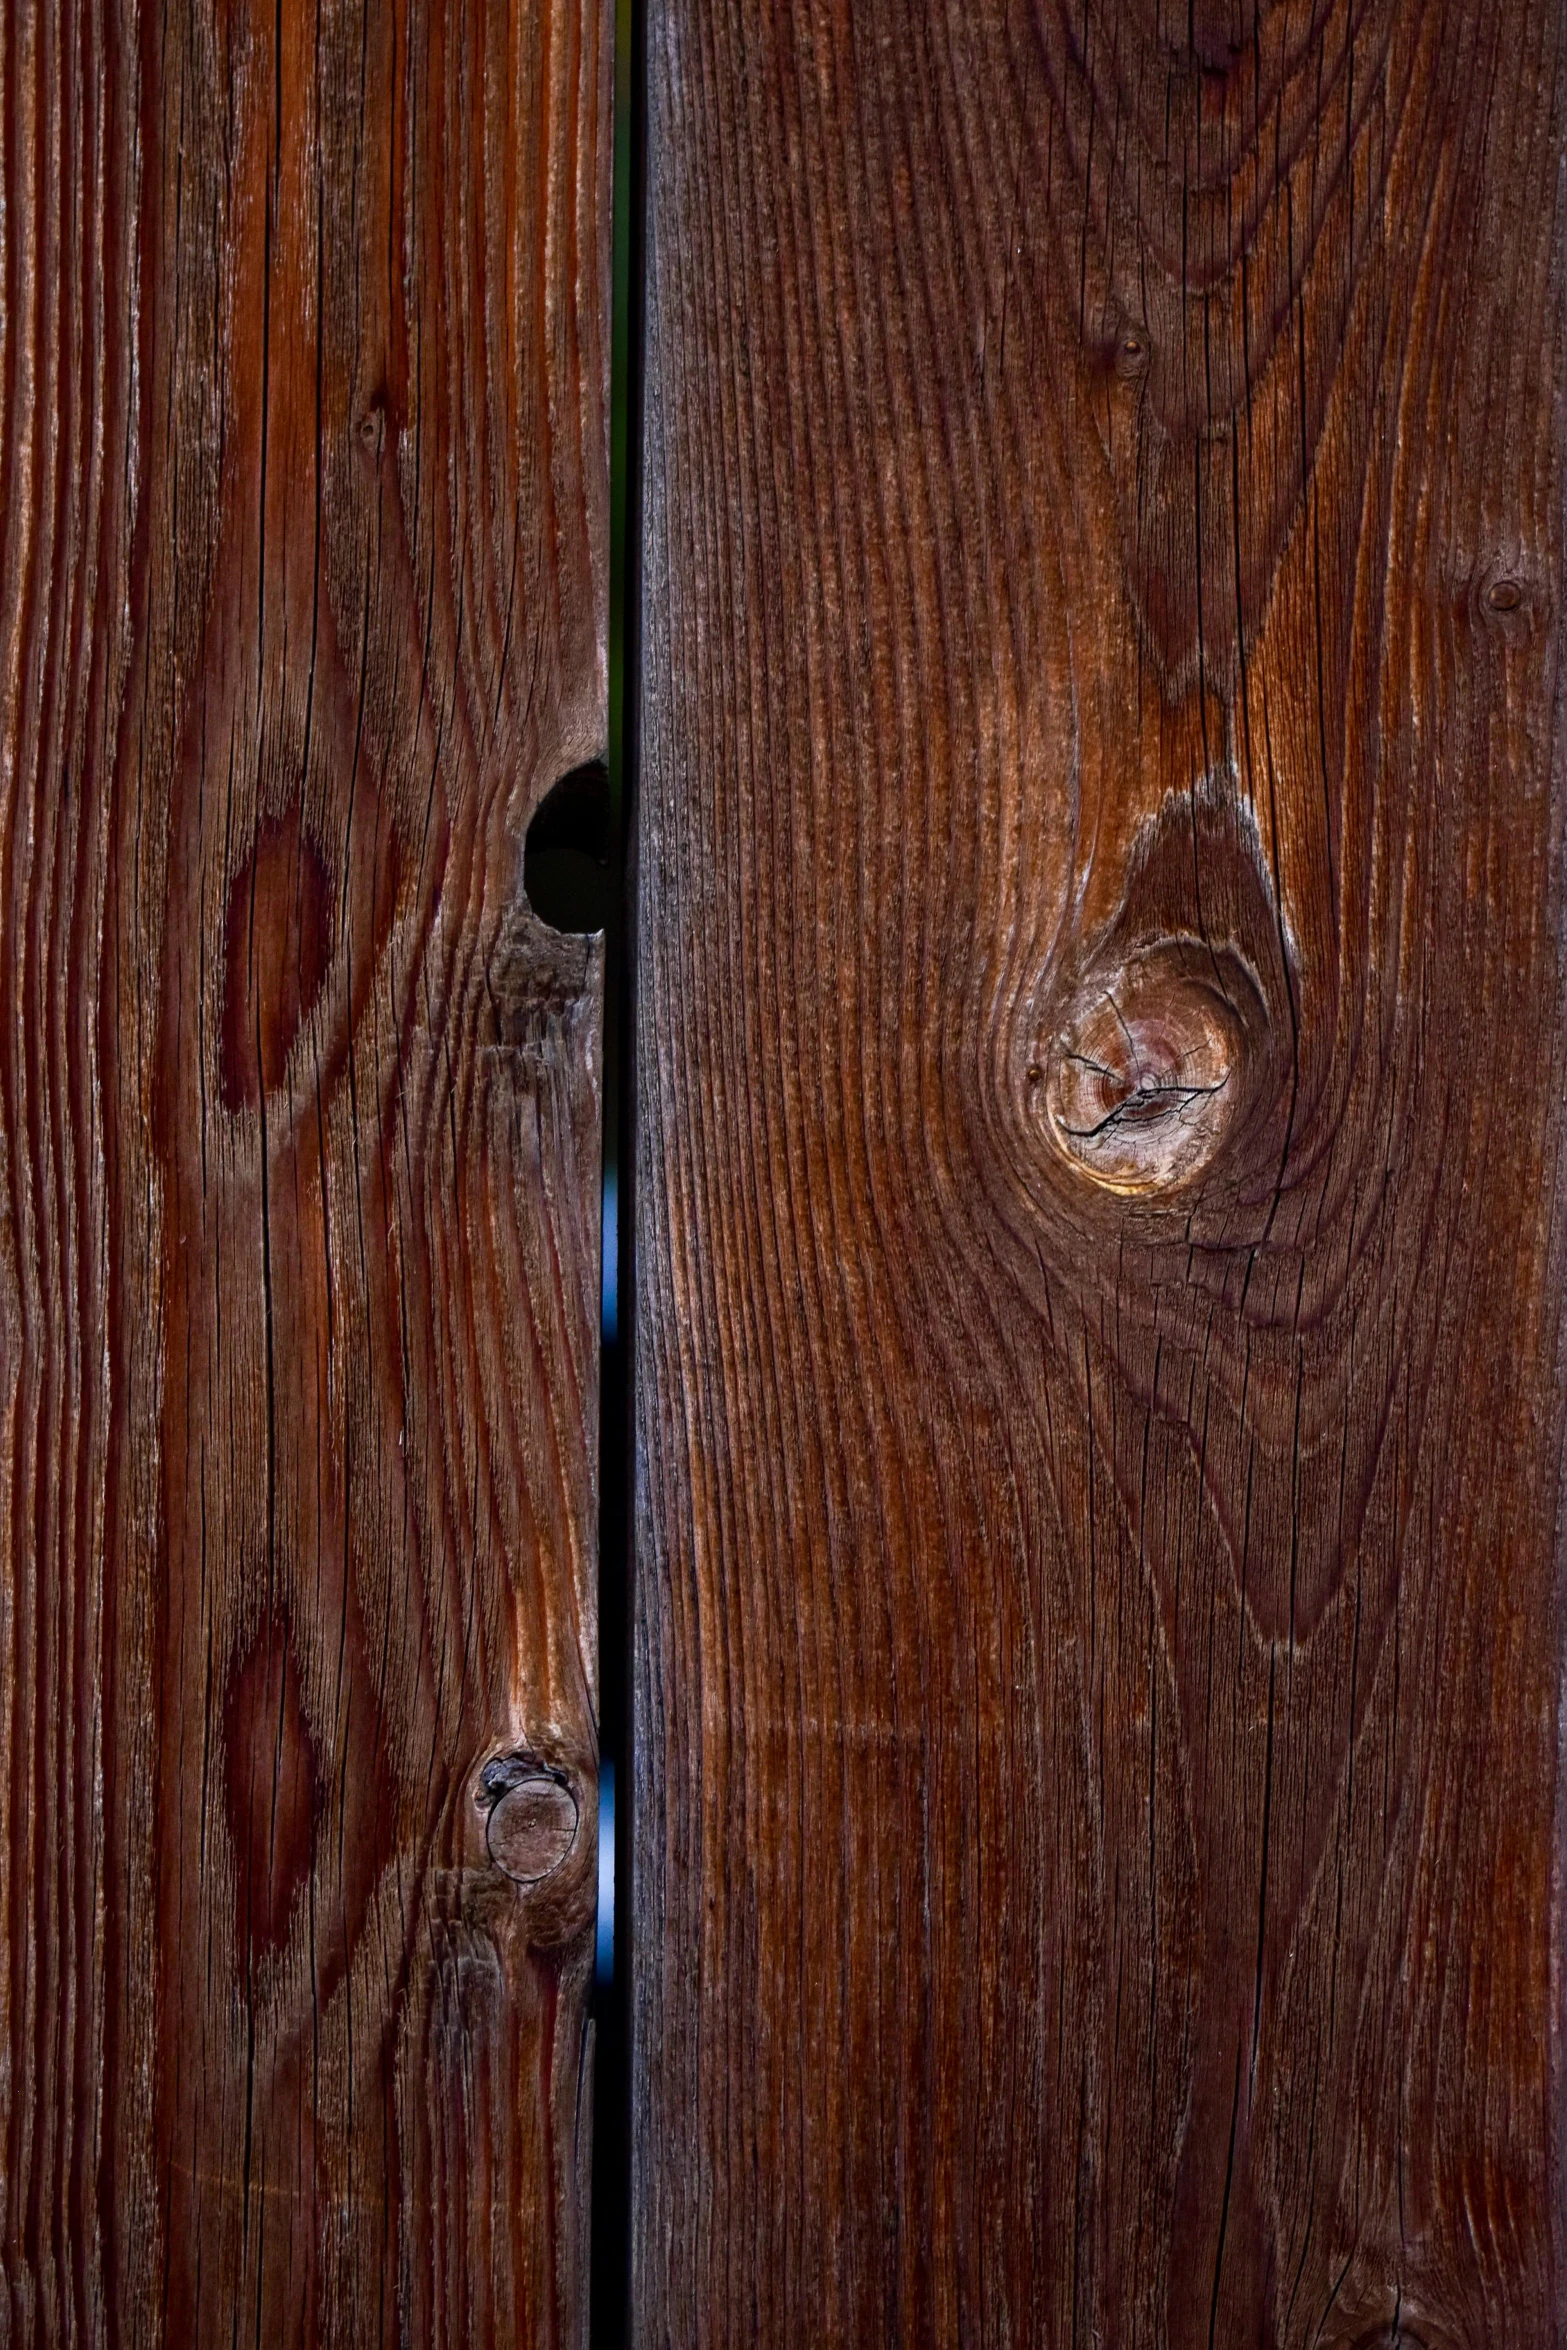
{"x":304,"y":530}
{"x":1099,"y":1650}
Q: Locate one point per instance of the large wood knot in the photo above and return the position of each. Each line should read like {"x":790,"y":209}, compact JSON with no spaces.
{"x":534,"y":1812}
{"x":1152,"y":1066}
{"x":1153,"y":1063}
{"x":532,"y":1822}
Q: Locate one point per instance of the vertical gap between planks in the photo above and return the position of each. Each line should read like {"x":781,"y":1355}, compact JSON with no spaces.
{"x":610,"y":2313}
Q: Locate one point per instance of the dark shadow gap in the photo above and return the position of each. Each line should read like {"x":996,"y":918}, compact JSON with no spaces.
{"x":610,"y":2325}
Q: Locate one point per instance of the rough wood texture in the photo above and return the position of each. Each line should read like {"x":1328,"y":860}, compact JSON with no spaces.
{"x":303,"y":594}
{"x":1102,"y":1076}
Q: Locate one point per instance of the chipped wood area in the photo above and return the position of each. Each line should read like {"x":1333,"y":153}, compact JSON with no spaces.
{"x":1101,"y":1073}
{"x":304,"y":531}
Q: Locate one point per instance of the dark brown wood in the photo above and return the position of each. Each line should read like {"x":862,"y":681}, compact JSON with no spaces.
{"x":303,"y":607}
{"x":1101,"y":1101}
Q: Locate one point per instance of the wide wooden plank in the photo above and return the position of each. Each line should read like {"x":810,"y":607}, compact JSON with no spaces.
{"x":1100,"y":1631}
{"x":303,"y":607}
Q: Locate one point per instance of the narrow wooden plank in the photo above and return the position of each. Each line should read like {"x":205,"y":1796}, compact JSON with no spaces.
{"x":1099,"y":1651}
{"x":303,"y":606}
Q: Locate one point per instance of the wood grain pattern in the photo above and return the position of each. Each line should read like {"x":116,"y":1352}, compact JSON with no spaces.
{"x":303,"y":607}
{"x":1100,"y":1627}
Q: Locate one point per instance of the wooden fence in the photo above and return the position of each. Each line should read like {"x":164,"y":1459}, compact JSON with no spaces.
{"x":1098,"y":1075}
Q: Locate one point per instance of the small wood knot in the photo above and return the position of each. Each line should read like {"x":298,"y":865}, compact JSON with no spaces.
{"x":1133,"y":350}
{"x":1146,"y":1076}
{"x":1510,"y":597}
{"x":533,"y":1815}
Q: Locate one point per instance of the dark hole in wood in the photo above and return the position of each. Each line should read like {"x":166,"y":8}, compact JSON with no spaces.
{"x":568,"y":863}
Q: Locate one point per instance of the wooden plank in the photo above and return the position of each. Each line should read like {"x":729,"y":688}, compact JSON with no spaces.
{"x":1099,"y":1649}
{"x":304,"y":532}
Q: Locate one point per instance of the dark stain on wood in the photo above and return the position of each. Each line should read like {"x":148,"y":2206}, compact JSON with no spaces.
{"x":275,"y":1794}
{"x":277,"y":936}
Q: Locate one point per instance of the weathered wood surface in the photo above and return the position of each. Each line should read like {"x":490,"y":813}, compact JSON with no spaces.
{"x":1101,"y":1100}
{"x":303,"y":528}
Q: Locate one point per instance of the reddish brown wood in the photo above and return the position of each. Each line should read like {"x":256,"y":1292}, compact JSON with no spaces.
{"x":303,"y":607}
{"x":1101,"y":1083}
